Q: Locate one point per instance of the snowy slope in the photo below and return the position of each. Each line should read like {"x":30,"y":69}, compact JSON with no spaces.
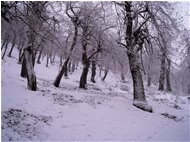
{"x":103,"y":112}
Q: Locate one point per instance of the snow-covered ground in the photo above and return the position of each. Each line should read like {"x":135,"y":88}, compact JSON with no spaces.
{"x":103,"y":112}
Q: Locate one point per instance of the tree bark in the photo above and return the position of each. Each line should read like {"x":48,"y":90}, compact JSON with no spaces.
{"x":13,"y":44}
{"x":69,"y":66}
{"x":4,"y":42}
{"x":73,"y":66}
{"x":93,"y":72}
{"x":39,"y":56}
{"x":162,"y":74}
{"x":20,"y":56}
{"x":6,"y":47}
{"x":86,"y":64}
{"x":122,"y":72}
{"x":149,"y":81}
{"x":47,"y":61}
{"x":61,"y":60}
{"x":64,"y":67}
{"x":168,"y":85}
{"x":23,"y":69}
{"x":61,"y":72}
{"x":31,"y":77}
{"x":83,"y":78}
{"x":138,"y":87}
{"x":105,"y":74}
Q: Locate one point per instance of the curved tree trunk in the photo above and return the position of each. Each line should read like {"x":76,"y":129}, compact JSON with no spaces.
{"x":105,"y":74}
{"x":138,"y":87}
{"x":60,"y":74}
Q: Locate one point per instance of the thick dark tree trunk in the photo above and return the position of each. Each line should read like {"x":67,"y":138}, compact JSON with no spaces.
{"x":105,"y":74}
{"x":93,"y":72}
{"x":162,"y":74}
{"x":39,"y":56}
{"x":60,"y":74}
{"x":138,"y":87}
{"x":31,"y":77}
{"x":23,"y":69}
{"x":168,"y":85}
{"x":83,"y":78}
{"x":86,"y":64}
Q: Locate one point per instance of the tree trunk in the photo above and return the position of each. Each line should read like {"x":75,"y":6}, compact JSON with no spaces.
{"x":31,"y":77}
{"x":138,"y":86}
{"x":39,"y":56}
{"x":100,"y":72}
{"x":162,"y":74}
{"x":122,"y":72}
{"x":53,"y":60}
{"x":168,"y":85}
{"x":86,"y":64}
{"x":6,"y":46}
{"x":149,"y":81}
{"x":134,"y":64}
{"x":83,"y":78}
{"x":105,"y":74}
{"x":93,"y":72}
{"x":188,"y":89}
{"x":4,"y":42}
{"x":73,"y":66}
{"x":13,"y":44}
{"x":47,"y":61}
{"x":61,"y":60}
{"x":61,"y":72}
{"x":20,"y":56}
{"x":69,"y":66}
{"x":23,"y":69}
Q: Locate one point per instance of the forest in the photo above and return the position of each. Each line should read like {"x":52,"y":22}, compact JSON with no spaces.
{"x":145,"y":44}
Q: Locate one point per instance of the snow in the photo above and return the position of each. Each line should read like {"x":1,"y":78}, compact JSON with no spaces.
{"x":103,"y":112}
